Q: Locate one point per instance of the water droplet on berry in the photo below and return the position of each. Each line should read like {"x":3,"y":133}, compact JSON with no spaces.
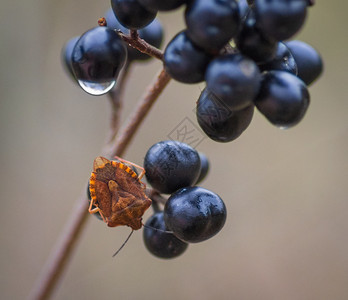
{"x":97,"y":88}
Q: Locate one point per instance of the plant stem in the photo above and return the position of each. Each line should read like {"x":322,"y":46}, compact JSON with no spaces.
{"x":136,"y":42}
{"x":65,"y":246}
{"x":62,"y":251}
{"x":156,"y":198}
{"x":116,"y":97}
{"x":148,"y":99}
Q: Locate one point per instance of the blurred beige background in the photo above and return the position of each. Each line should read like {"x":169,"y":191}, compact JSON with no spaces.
{"x":285,"y":191}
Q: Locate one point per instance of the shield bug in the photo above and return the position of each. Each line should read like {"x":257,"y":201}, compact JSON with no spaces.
{"x":117,"y":193}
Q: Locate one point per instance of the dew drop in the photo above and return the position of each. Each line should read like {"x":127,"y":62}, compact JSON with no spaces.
{"x":96,"y":88}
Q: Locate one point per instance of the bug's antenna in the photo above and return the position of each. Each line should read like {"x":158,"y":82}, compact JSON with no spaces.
{"x":157,"y":229}
{"x":125,"y":242}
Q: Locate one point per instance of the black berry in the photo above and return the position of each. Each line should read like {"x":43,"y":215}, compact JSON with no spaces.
{"x":283,"y":61}
{"x":97,"y":59}
{"x":112,"y":22}
{"x":309,"y":62}
{"x":212,"y":23}
{"x":132,"y":14}
{"x":243,"y":8}
{"x":161,"y":5}
{"x":66,"y":55}
{"x":283,"y":98}
{"x":280,"y":19}
{"x":218,"y":122}
{"x":194,"y":214}
{"x":253,"y":43}
{"x":184,"y":61}
{"x":234,"y":79}
{"x":159,"y":243}
{"x":171,"y":165}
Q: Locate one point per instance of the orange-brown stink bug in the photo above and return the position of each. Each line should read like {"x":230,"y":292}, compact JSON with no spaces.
{"x":117,"y":193}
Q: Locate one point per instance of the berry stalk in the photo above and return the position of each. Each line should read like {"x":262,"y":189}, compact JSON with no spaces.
{"x":136,"y":42}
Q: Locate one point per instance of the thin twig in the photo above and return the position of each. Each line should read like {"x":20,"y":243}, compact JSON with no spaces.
{"x":65,"y":246}
{"x":61,"y":253}
{"x":155,"y":196}
{"x":134,"y":34}
{"x":136,"y":42}
{"x":116,"y":97}
{"x":148,"y":99}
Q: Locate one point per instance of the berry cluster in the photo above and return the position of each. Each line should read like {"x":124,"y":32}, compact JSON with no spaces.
{"x":238,"y":49}
{"x":241,"y":50}
{"x":192,"y":214}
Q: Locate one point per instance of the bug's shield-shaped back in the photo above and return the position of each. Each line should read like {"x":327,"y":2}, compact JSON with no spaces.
{"x":116,"y":190}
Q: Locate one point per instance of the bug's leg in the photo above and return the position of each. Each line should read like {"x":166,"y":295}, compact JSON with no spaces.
{"x":92,"y":210}
{"x":142,"y":173}
{"x":95,"y":210}
{"x":134,"y":165}
{"x":143,"y":185}
{"x":101,"y":214}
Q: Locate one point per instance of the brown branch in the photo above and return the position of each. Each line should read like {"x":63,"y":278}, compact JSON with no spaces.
{"x":63,"y":250}
{"x":149,"y":98}
{"x":136,"y":42}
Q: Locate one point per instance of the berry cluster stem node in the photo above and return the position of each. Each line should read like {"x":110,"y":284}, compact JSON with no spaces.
{"x":136,"y":42}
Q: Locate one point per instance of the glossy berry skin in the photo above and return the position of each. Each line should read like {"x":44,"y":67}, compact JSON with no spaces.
{"x":171,"y":165}
{"x":152,"y":34}
{"x":243,"y":8}
{"x":194,"y":214}
{"x":280,"y":19}
{"x":218,"y":122}
{"x":131,"y":14}
{"x":184,"y":61}
{"x":112,"y":22}
{"x":309,"y":62}
{"x":66,"y":55}
{"x":156,"y":5}
{"x":204,"y":167}
{"x":98,"y":55}
{"x":212,"y":23}
{"x":234,"y":79}
{"x":283,"y":98}
{"x":283,"y":61}
{"x":253,"y":43}
{"x":159,"y":243}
